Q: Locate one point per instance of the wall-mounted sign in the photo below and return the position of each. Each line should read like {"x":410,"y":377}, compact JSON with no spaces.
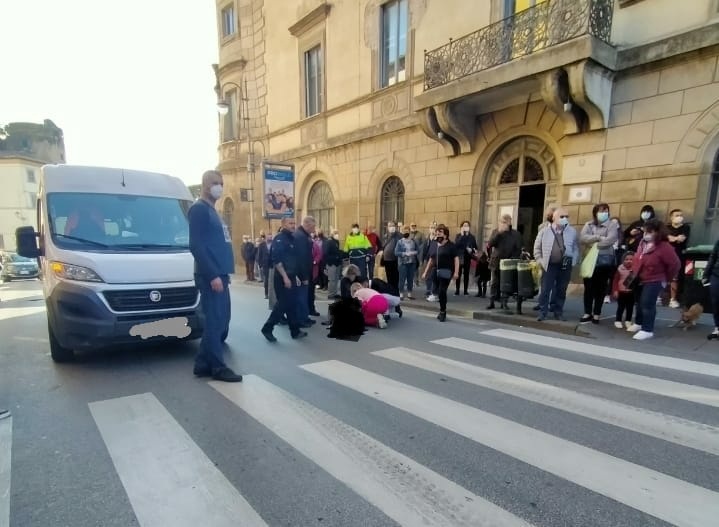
{"x":279,"y":190}
{"x":586,"y":168}
{"x":580,"y":194}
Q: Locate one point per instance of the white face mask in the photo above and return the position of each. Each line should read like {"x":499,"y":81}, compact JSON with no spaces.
{"x":336,"y":236}
{"x":646,"y":215}
{"x":216,"y":191}
{"x":355,"y":231}
{"x":392,"y":230}
{"x":465,"y":230}
{"x":678,"y":220}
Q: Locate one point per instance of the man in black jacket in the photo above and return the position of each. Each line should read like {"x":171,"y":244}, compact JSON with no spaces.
{"x":303,"y":249}
{"x":389,"y":258}
{"x":249,"y":253}
{"x":332,"y":256}
{"x":504,"y":243}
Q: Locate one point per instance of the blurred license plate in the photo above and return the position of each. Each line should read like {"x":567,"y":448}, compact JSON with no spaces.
{"x":24,"y":272}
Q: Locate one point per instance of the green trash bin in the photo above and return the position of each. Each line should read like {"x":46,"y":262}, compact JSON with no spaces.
{"x":525,"y":280}
{"x":508,"y":276}
{"x":695,"y":261}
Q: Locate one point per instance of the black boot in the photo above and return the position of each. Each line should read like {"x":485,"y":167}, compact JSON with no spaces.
{"x":491,"y":304}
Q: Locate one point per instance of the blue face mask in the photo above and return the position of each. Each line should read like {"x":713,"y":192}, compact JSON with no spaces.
{"x":602,"y":216}
{"x":564,"y":222}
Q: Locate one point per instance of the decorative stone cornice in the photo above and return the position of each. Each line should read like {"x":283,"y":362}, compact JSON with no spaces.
{"x":314,"y":17}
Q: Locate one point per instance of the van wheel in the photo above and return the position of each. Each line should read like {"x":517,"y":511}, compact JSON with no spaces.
{"x":57,"y":352}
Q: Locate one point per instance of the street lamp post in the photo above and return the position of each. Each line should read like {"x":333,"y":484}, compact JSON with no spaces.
{"x":223,"y":107}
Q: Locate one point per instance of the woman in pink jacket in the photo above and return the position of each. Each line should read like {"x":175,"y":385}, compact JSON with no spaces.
{"x":655,"y":265}
{"x":374,"y":305}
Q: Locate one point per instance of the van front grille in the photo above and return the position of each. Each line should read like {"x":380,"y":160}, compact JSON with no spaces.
{"x":151,"y":299}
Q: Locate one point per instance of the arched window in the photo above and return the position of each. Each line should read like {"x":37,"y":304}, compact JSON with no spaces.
{"x":228,"y":209}
{"x":392,"y":201}
{"x":523,"y":169}
{"x":321,"y":205}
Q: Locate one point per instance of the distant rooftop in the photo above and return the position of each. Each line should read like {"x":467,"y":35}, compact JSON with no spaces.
{"x":43,"y":142}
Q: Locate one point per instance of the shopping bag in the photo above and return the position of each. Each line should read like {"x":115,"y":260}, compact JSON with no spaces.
{"x":590,"y":261}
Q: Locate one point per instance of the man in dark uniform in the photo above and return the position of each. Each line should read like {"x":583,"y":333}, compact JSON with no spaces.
{"x":286,"y":282}
{"x":211,"y":247}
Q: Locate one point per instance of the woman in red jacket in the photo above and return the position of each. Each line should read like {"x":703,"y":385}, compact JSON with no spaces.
{"x":655,"y":265}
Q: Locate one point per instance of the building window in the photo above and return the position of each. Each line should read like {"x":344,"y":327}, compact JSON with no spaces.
{"x":394,"y":42}
{"x":321,"y":205}
{"x":313,"y":81}
{"x":229,"y":128}
{"x":392,"y":201}
{"x":228,"y":209}
{"x":31,"y":175}
{"x":229,"y":26}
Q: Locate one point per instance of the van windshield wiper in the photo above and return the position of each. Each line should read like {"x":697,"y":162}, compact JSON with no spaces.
{"x":84,"y":240}
{"x":150,"y":246}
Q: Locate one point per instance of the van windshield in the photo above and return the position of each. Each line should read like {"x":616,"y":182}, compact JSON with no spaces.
{"x":118,"y":222}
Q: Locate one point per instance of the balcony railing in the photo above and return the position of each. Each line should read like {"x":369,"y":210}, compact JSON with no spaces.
{"x":534,"y":29}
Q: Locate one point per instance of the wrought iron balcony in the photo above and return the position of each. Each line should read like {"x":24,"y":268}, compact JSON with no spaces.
{"x":532,"y":30}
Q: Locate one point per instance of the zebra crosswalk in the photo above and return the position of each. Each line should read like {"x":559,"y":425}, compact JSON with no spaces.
{"x":170,"y":479}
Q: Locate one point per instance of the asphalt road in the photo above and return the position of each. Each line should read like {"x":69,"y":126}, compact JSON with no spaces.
{"x":423,"y":423}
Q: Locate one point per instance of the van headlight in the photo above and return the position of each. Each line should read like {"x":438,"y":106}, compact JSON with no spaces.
{"x":74,"y":272}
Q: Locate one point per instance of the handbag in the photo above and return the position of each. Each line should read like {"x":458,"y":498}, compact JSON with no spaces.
{"x":444,"y":274}
{"x":589,"y":262}
{"x":605,"y":260}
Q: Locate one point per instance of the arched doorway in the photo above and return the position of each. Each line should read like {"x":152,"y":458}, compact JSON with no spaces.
{"x":321,"y":205}
{"x":391,"y":201}
{"x":712,"y":211}
{"x":520,"y":180}
{"x":228,"y":210}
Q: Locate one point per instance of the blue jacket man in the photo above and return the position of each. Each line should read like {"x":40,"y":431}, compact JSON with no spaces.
{"x":286,"y":282}
{"x":211,"y":246}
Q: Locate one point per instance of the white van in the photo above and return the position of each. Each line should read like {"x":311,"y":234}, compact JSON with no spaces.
{"x":115,"y":262}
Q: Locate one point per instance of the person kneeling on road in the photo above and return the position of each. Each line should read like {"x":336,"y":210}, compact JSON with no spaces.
{"x":374,"y":305}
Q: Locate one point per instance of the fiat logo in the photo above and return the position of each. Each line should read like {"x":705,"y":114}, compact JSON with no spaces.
{"x":155,"y":296}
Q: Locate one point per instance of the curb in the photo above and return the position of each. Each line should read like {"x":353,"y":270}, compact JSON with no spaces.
{"x":512,"y":319}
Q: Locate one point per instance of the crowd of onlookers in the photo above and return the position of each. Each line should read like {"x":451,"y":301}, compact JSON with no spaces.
{"x":637,"y":266}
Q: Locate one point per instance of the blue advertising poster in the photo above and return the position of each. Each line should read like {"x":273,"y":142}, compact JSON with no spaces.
{"x":279,"y":191}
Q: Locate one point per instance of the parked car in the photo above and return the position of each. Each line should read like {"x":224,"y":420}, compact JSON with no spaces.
{"x":13,"y":266}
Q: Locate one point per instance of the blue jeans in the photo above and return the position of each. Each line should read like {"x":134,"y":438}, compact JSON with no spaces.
{"x":555,"y":281}
{"x":302,"y":303}
{"x":647,"y":305}
{"x":406,"y":277}
{"x":216,"y":312}
{"x":430,"y":282}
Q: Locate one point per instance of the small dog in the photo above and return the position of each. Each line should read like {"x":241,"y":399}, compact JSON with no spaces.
{"x":689,"y":317}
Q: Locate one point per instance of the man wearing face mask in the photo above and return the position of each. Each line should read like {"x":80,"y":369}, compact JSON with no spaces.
{"x":211,"y":246}
{"x":389,"y":258}
{"x":333,"y":256}
{"x":556,"y":248}
{"x":359,"y":249}
{"x":635,"y":232}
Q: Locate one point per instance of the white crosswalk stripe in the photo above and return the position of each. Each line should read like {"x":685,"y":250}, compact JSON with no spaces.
{"x":168,"y":478}
{"x":662,"y":496}
{"x":667,"y":427}
{"x":695,"y":394}
{"x":5,"y":467}
{"x":645,"y":359}
{"x":404,"y":490}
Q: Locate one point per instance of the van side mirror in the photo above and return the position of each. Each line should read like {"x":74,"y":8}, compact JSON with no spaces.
{"x":26,"y":242}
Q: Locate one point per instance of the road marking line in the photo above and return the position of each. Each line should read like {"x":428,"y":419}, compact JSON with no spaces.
{"x":406,"y":491}
{"x":5,"y":468}
{"x":168,"y":478}
{"x":666,"y":427}
{"x":645,"y":359}
{"x":664,"y":497}
{"x":6,"y":313}
{"x":676,"y":390}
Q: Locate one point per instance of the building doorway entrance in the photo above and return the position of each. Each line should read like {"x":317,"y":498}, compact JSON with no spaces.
{"x":530,"y":213}
{"x":520,"y":179}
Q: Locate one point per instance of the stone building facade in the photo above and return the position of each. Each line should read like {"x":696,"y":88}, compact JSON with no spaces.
{"x":410,"y":110}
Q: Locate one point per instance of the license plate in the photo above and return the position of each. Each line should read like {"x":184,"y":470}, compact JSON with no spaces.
{"x":24,"y":272}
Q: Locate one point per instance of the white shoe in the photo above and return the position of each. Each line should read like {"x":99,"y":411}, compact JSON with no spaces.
{"x":673,"y":304}
{"x":660,"y":302}
{"x":381,"y":322}
{"x":634,"y":328}
{"x":643,"y":335}
{"x":432,"y":298}
{"x":628,"y":324}
{"x":401,"y":296}
{"x":618,"y":325}
{"x":607,"y":300}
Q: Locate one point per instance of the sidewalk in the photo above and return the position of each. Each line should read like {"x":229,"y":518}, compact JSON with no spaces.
{"x":476,"y":308}
{"x":665,"y":336}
